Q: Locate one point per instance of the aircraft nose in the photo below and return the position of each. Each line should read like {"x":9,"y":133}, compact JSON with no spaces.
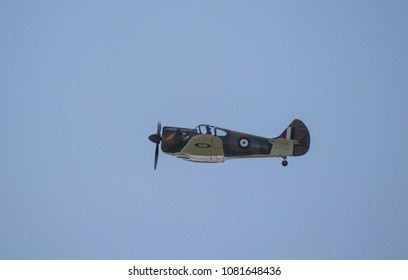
{"x":155,"y":138}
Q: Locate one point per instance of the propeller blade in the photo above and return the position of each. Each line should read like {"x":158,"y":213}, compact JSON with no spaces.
{"x":156,"y":156}
{"x":158,"y":129}
{"x":156,"y":138}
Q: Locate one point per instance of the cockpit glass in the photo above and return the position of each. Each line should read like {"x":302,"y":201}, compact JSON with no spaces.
{"x":210,"y":130}
{"x":220,"y":132}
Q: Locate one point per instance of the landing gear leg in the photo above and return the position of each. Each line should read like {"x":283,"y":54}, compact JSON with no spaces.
{"x":284,"y":162}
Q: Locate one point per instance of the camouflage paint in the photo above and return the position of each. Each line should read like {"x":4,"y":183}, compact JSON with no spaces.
{"x":294,"y":141}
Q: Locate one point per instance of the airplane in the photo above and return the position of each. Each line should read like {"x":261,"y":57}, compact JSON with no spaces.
{"x":208,"y":143}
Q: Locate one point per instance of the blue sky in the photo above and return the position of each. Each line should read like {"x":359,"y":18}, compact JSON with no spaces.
{"x":83,"y":84}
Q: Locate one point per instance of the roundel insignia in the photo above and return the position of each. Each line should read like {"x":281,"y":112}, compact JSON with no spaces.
{"x":243,"y":143}
{"x":202,"y":145}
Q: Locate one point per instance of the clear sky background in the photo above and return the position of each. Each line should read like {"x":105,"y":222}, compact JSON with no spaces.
{"x":83,"y":84}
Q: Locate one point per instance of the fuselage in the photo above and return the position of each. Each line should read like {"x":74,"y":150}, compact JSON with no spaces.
{"x":235,"y":144}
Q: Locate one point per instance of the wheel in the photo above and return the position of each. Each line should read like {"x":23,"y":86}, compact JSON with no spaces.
{"x":285,"y":162}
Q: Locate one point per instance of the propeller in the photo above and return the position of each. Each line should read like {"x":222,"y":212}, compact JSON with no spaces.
{"x":156,"y":138}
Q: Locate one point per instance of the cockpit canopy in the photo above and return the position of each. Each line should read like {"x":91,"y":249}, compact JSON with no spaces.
{"x":210,"y":130}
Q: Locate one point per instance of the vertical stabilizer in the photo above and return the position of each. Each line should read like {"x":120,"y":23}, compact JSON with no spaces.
{"x":298,"y":132}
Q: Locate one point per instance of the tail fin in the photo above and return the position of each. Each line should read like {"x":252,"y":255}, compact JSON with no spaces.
{"x":298,"y":132}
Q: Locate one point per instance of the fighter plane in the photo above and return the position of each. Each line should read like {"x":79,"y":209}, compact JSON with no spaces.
{"x":208,"y":143}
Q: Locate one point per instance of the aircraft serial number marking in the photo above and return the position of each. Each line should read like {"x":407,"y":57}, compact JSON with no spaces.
{"x":258,"y":146}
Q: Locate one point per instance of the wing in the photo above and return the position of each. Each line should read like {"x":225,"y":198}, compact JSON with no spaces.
{"x":203,"y":148}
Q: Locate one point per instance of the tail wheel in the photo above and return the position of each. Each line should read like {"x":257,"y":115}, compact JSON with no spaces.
{"x":284,"y":162}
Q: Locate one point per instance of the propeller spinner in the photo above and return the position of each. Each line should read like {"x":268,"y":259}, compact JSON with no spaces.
{"x":156,"y":138}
